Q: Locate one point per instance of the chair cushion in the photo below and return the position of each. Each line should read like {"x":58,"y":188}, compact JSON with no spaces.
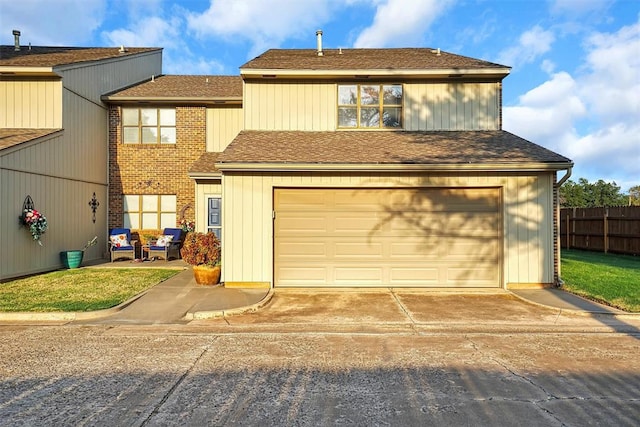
{"x":164,"y":240}
{"x":119,"y":240}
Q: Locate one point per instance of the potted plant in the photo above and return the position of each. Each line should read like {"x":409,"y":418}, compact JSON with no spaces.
{"x":202,"y":251}
{"x":73,"y":259}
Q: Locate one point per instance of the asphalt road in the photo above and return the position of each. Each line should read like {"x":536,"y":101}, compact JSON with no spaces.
{"x":422,"y":361}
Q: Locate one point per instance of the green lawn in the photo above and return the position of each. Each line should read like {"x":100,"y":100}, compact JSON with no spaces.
{"x":83,"y":289}
{"x":608,"y":278}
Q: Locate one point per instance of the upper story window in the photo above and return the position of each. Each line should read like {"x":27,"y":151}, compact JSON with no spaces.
{"x":149,"y":125}
{"x":370,"y":106}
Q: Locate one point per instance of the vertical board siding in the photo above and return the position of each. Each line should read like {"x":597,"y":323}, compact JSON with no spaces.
{"x":223,"y":125}
{"x":31,"y":104}
{"x":293,"y":105}
{"x":527,"y":217}
{"x":451,"y":106}
{"x":277,"y":105}
{"x":69,"y":217}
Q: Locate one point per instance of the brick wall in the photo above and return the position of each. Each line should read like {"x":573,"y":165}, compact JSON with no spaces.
{"x":156,"y":169}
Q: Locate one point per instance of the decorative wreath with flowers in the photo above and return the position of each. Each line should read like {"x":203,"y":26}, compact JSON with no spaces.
{"x":35,"y":222}
{"x":187,"y":226}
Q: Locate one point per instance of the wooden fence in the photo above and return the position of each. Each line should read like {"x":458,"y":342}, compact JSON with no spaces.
{"x":614,"y":229}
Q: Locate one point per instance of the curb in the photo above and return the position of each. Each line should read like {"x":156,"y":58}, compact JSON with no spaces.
{"x":578,"y":312}
{"x":203,"y":315}
{"x":65,"y":316}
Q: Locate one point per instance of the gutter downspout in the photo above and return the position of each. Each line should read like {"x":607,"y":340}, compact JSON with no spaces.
{"x":557,"y":186}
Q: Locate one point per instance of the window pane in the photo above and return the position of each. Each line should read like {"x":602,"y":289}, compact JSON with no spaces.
{"x":369,"y":95}
{"x":130,"y":116}
{"x":392,"y":117}
{"x":167,"y":220}
{"x":130,"y":135}
{"x":347,"y":117}
{"x":150,"y":203}
{"x":168,"y":135}
{"x":392,"y":94}
{"x":369,"y":117}
{"x":168,"y":203}
{"x":149,"y":135}
{"x":149,"y":116}
{"x":150,"y":220}
{"x":167,"y":117}
{"x":131,"y":221}
{"x":131,"y":203}
{"x":347,"y":95}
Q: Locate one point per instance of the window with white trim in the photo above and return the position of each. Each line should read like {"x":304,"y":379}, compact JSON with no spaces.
{"x":148,"y":125}
{"x":214,"y":216}
{"x":370,"y":106}
{"x":149,"y":211}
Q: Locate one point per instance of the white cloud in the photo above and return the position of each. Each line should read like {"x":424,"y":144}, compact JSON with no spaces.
{"x":401,"y":23}
{"x":157,"y":33}
{"x":607,"y":92}
{"x":264,"y":24}
{"x":531,"y":45}
{"x":59,"y":23}
{"x":612,"y":85}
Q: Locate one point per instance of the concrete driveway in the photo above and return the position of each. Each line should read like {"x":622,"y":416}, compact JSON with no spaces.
{"x":383,"y":357}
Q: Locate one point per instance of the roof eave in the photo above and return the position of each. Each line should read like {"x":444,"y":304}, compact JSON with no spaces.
{"x":498,"y":72}
{"x":205,"y":175}
{"x":171,"y":100}
{"x":17,"y":71}
{"x":394,"y":167}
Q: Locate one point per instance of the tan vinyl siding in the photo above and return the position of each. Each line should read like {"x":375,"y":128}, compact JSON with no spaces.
{"x":31,"y":103}
{"x":527,"y":217}
{"x":223,"y":124}
{"x":65,"y":204}
{"x":277,"y":105}
{"x":451,"y":106}
{"x":92,"y":80}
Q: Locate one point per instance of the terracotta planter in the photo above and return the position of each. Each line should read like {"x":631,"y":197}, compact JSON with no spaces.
{"x":206,"y":275}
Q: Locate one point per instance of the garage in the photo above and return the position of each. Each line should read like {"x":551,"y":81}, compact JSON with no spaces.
{"x":387,"y":237}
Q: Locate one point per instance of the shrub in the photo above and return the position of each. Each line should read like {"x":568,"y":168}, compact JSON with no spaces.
{"x":201,"y":249}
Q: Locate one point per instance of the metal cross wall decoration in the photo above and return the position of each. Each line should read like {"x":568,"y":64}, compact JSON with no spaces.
{"x":94,"y":206}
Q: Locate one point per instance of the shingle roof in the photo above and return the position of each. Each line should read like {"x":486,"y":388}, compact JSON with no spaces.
{"x":365,"y":59}
{"x":206,"y":163}
{"x":183,"y":86}
{"x":11,"y":136}
{"x":380,"y":147}
{"x":39,"y":56}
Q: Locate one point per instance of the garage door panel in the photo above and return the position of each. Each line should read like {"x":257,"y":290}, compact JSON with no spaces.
{"x":358,"y":250}
{"x":387,"y":237}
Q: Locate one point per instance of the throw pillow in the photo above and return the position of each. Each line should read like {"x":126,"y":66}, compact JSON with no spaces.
{"x":164,"y":240}
{"x":119,"y":240}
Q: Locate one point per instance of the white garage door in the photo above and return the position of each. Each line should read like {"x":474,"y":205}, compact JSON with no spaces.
{"x":436,"y":237}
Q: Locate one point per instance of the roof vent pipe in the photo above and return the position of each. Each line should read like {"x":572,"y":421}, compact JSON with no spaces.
{"x":319,"y":39}
{"x":16,"y":37}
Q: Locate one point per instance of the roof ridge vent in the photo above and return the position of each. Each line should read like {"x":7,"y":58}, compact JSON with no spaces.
{"x":436,"y":51}
{"x":122,"y":49}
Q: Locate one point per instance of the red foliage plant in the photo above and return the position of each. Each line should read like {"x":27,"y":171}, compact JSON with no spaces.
{"x":201,"y":249}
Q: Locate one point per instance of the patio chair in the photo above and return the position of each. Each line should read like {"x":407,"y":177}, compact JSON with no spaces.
{"x":167,"y":245}
{"x":121,"y":245}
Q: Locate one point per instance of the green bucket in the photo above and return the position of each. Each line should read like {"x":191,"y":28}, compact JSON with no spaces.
{"x":71,"y":259}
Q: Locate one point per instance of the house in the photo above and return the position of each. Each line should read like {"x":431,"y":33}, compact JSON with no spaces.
{"x":53,"y":150}
{"x":342,"y":168}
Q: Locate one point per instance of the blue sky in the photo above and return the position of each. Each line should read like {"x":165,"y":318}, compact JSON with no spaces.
{"x":574,"y":86}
